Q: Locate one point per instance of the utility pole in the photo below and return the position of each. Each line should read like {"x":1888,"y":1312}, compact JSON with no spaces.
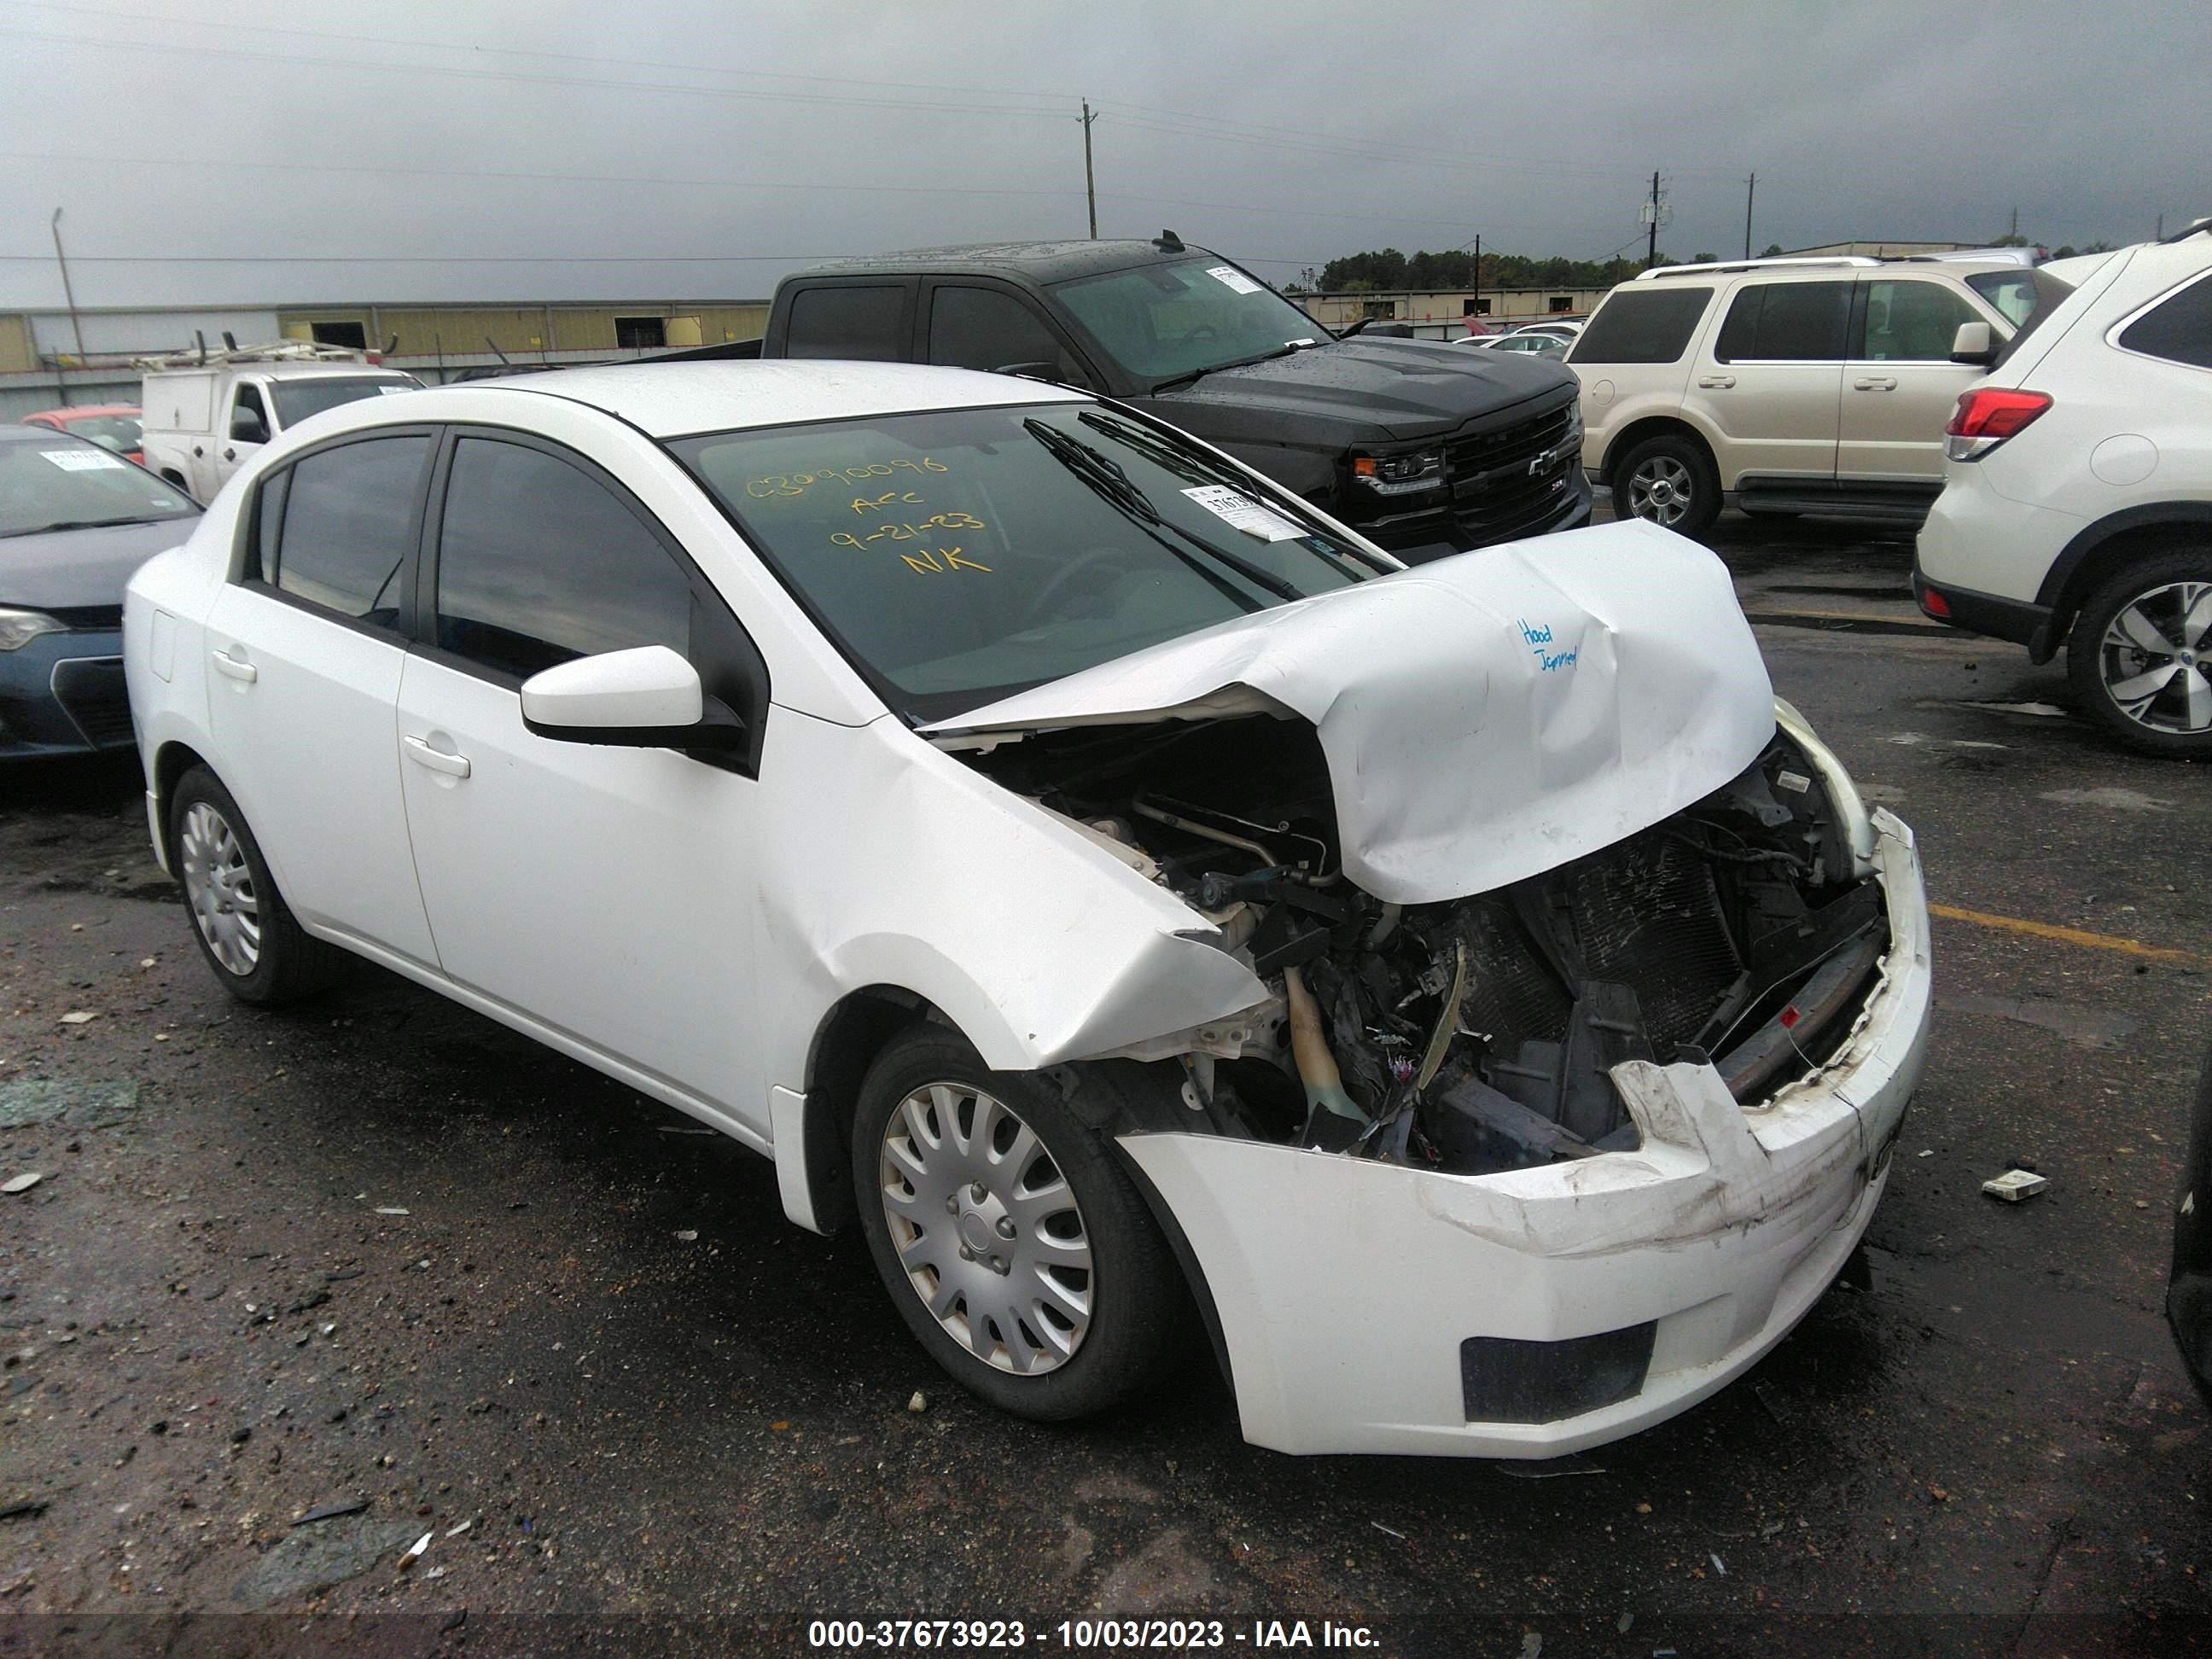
{"x":2012,"y":230}
{"x":2160,"y":235}
{"x":1651,"y":254}
{"x":1478,"y":273}
{"x":1750,"y":188}
{"x":1090,"y":189}
{"x":69,"y":295}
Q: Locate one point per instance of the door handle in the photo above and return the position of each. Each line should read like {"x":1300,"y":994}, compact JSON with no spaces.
{"x":244,"y":672}
{"x":1876,"y":383}
{"x":197,"y":451}
{"x":1722,"y":381}
{"x":419,"y":751}
{"x":230,"y":454}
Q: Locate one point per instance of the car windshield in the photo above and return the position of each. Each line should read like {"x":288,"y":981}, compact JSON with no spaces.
{"x":58,"y":483}
{"x":116,"y":432}
{"x":958,"y":557}
{"x":297,"y":399}
{"x":1162,"y":322}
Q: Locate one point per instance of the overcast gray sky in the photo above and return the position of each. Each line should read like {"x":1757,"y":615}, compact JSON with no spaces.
{"x":674,"y":149}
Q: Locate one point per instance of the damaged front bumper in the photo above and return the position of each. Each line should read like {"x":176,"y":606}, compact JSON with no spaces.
{"x":1370,"y":1307}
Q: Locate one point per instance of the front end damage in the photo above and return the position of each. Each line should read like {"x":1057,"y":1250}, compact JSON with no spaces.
{"x":1519,"y":1172}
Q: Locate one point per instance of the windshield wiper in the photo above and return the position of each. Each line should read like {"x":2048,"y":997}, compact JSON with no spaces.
{"x":1174,"y":381}
{"x":82,"y":524}
{"x":1113,"y":485}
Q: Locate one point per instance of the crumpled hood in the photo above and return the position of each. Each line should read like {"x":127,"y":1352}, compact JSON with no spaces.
{"x":1485,"y":718}
{"x":78,"y":570}
{"x":1389,"y":387}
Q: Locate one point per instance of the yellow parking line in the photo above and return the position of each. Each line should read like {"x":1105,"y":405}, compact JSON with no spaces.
{"x":2127,"y":947}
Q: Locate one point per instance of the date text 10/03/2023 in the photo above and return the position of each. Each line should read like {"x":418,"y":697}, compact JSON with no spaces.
{"x":1090,"y":1635}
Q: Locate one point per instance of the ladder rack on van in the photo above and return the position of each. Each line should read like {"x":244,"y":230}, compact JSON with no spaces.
{"x":277,"y":351}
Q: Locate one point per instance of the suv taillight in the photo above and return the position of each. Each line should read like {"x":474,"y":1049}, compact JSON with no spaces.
{"x":1986,"y":417}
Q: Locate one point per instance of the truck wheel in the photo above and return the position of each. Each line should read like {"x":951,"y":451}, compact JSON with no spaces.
{"x":245,"y":929}
{"x":1671,"y":481}
{"x":1014,"y":1247}
{"x":2139,"y":655}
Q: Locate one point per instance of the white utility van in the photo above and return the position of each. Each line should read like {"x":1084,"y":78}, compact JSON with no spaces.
{"x":207,"y":413}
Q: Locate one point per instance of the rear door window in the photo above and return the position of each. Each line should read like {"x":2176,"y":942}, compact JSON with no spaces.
{"x":1786,"y":322}
{"x":348,"y":525}
{"x":868,"y":322}
{"x":1637,"y":326}
{"x":2178,"y":329}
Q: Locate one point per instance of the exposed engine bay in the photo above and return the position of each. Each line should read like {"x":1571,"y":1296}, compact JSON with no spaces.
{"x":1475,"y":1035}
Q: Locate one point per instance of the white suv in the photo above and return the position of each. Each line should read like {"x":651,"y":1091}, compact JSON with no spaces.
{"x":2077,"y":501}
{"x":1793,"y":385}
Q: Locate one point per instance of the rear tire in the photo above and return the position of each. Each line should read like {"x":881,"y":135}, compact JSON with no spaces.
{"x":1019,"y":1253}
{"x":2139,"y":655}
{"x":240,"y":921}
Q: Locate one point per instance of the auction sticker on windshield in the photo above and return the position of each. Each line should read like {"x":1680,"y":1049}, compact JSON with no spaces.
{"x":83,"y":461}
{"x":1244,"y":513}
{"x":1232,"y":279}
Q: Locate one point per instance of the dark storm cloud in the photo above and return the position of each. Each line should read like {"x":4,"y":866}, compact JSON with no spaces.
{"x":585,"y":150}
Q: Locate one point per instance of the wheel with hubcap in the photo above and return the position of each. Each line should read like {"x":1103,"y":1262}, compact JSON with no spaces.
{"x":246,"y":931}
{"x":1670,"y":481}
{"x":1013,"y":1246}
{"x":2139,"y":655}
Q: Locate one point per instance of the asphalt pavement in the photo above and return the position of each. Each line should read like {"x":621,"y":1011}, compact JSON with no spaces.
{"x":378,"y":1256}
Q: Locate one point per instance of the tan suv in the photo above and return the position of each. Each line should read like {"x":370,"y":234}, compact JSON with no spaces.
{"x":1789,"y":386}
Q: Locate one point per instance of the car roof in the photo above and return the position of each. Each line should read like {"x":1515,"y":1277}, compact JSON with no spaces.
{"x":15,"y":432}
{"x":80,"y":412}
{"x":1042,"y":262}
{"x":670,"y":400}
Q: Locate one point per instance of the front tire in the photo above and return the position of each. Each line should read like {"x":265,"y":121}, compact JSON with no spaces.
{"x":2139,"y":655}
{"x":1017,"y":1250}
{"x":244,"y":928}
{"x":1670,"y":481}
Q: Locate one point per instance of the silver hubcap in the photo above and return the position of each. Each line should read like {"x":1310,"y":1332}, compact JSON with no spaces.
{"x":1660,"y":490}
{"x":987,"y":1228}
{"x":2153,"y":658}
{"x":219,"y":886}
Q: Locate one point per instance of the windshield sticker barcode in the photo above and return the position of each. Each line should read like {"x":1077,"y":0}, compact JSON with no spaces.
{"x":1244,"y":513}
{"x":83,"y":460}
{"x":1232,"y":279}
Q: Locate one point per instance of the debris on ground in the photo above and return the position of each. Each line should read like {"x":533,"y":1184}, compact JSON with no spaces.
{"x":415,"y":1551}
{"x":2015,"y":1184}
{"x":687,"y":1236}
{"x":1551,"y":1470}
{"x":1392,"y":1531}
{"x":390,"y":1209}
{"x":78,"y":1017}
{"x":1719,"y":1566}
{"x":919,"y":1403}
{"x":332,"y":1510}
{"x":23,"y":1182}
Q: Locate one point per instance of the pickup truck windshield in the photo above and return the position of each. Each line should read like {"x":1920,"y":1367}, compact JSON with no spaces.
{"x":298,"y":399}
{"x":1162,"y":322}
{"x":958,"y":557}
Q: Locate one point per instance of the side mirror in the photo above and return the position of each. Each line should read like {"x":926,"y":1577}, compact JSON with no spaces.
{"x":1974,"y":344}
{"x":644,"y":698}
{"x":246,"y":427}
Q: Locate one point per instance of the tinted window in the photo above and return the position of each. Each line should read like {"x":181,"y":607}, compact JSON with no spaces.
{"x":1791,"y":322}
{"x":1911,"y":322}
{"x":539,"y":564}
{"x":349,"y":525}
{"x":983,"y":328}
{"x":2180,"y":330}
{"x":848,"y":322}
{"x":1640,"y":325}
{"x":1163,"y":321}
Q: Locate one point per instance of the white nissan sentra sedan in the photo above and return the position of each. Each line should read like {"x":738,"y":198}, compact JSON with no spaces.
{"x":1464,"y":994}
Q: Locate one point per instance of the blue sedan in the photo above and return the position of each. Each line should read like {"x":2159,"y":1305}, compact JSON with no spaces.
{"x":75,"y":520}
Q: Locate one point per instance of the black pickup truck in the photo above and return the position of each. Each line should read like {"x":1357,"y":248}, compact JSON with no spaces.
{"x":1426,"y":447}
